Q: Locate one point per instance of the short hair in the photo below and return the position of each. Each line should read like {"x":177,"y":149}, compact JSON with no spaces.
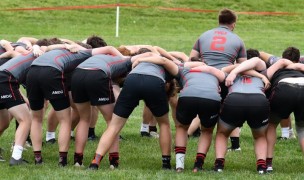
{"x":96,"y":41}
{"x":55,"y":41}
{"x":143,"y":50}
{"x":124,"y":51}
{"x":43,"y":42}
{"x":252,"y":53}
{"x":291,"y":53}
{"x":227,"y":16}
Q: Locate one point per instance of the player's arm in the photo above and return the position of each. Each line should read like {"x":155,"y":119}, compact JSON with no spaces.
{"x":106,"y":50}
{"x":296,"y":66}
{"x":280,"y":64}
{"x":253,"y":63}
{"x":169,"y":65}
{"x":265,"y":56}
{"x":220,"y":75}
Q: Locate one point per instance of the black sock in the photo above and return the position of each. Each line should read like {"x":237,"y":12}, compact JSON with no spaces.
{"x":269,"y":161}
{"x":235,"y":142}
{"x":114,"y":159}
{"x":78,"y":157}
{"x":199,"y":160}
{"x":63,"y":160}
{"x":166,"y":161}
{"x":152,"y":128}
{"x":91,"y":132}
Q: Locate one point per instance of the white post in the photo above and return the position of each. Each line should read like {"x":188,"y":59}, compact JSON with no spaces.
{"x":117,"y":19}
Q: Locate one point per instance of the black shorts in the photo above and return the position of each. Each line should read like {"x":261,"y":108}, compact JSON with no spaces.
{"x":46,"y":83}
{"x":285,"y":99}
{"x":10,"y":95}
{"x":92,"y":85}
{"x":224,"y":90}
{"x":138,"y":87}
{"x":189,"y":107}
{"x":68,"y":79}
{"x":239,"y":107}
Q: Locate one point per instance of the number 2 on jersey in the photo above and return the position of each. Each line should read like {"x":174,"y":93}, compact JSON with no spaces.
{"x":218,"y":43}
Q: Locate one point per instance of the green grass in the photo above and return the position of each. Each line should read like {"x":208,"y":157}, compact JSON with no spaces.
{"x":172,"y":30}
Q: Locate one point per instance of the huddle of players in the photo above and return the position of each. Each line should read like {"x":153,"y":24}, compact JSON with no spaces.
{"x":147,"y":79}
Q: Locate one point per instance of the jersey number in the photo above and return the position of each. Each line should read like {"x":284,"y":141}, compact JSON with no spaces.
{"x":218,"y":43}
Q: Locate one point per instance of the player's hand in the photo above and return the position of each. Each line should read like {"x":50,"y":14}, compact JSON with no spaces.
{"x":267,"y":84}
{"x":135,"y":63}
{"x":74,"y":48}
{"x":37,"y":51}
{"x":229,"y":79}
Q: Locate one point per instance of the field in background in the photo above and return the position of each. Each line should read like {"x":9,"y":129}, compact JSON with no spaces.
{"x":172,"y":30}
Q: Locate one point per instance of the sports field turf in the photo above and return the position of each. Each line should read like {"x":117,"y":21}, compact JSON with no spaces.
{"x":173,"y":25}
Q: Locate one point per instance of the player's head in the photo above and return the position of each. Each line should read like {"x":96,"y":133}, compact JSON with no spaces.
{"x":124,"y":51}
{"x":55,"y":41}
{"x":291,"y":53}
{"x":96,"y":41}
{"x":227,"y":17}
{"x":143,"y":50}
{"x":252,"y":53}
{"x":43,"y":42}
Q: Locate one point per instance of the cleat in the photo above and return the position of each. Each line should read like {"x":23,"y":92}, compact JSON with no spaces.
{"x":218,"y":169}
{"x":38,"y":161}
{"x":262,"y":169}
{"x":166,"y":166}
{"x":79,"y":165}
{"x":282,"y":138}
{"x":14,"y":162}
{"x":92,"y":138}
{"x":154,"y":134}
{"x":28,"y":143}
{"x":145,"y":134}
{"x":233,"y":149}
{"x":197,"y":169}
{"x":121,"y":138}
{"x":179,"y":170}
{"x":62,"y":162}
{"x":269,"y":168}
{"x":1,"y":157}
{"x":93,"y":166}
{"x":218,"y":165}
{"x":51,"y":141}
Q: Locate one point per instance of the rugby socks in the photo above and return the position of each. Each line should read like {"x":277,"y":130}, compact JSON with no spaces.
{"x":180,"y":157}
{"x":63,"y":160}
{"x":78,"y":157}
{"x":17,"y":152}
{"x":235,"y":142}
{"x":268,"y":161}
{"x":285,"y":132}
{"x":261,"y":165}
{"x":166,"y":162}
{"x":144,"y":127}
{"x":114,"y":159}
{"x":199,"y":161}
{"x":219,"y":164}
{"x":50,"y":135}
{"x":91,"y":132}
{"x":152,"y":128}
{"x":97,"y":159}
{"x":38,"y":157}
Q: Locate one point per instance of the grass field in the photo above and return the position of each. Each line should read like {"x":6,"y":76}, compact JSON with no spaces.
{"x":172,"y":30}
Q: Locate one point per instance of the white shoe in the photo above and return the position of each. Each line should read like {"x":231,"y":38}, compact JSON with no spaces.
{"x":154,"y":134}
{"x":78,"y":165}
